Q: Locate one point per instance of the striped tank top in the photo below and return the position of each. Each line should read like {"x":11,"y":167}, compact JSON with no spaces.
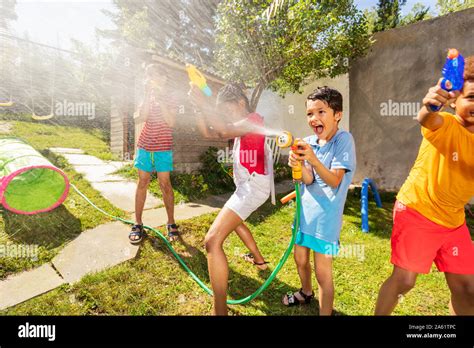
{"x":156,"y":134}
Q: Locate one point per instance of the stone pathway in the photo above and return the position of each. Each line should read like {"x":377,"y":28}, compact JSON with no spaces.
{"x":106,"y":245}
{"x":115,"y":188}
{"x":28,"y":284}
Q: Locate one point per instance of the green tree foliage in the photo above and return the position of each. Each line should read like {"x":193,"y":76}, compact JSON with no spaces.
{"x":179,"y":29}
{"x":419,"y":12}
{"x":283,"y":47}
{"x":388,"y":14}
{"x":448,"y":6}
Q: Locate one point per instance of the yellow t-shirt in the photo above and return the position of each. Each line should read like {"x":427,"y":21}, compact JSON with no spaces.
{"x":441,"y":181}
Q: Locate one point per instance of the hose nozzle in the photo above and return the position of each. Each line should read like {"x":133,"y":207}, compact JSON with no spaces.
{"x":286,"y":140}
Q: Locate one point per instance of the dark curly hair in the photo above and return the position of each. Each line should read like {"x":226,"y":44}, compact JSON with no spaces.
{"x":469,"y":69}
{"x":233,"y":93}
{"x":330,"y":95}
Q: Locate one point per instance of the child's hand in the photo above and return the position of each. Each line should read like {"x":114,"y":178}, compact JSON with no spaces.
{"x":305,"y":152}
{"x":293,"y":160}
{"x":438,"y":96}
{"x":196,"y":96}
{"x":151,"y":85}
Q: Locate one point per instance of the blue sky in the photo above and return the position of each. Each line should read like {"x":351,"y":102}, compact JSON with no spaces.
{"x":54,"y":22}
{"x":363,"y":4}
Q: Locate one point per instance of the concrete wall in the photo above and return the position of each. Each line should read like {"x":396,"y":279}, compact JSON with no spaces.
{"x":289,"y":113}
{"x":400,"y":67}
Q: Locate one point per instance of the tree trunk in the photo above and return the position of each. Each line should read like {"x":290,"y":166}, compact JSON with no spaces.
{"x":257,"y":92}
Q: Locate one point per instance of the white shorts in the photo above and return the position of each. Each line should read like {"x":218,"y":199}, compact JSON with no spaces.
{"x":249,"y":195}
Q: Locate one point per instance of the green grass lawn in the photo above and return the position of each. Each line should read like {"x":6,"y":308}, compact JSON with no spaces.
{"x":52,"y":230}
{"x":155,"y":284}
{"x":42,"y":136}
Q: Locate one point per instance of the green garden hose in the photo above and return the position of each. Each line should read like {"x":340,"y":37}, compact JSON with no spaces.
{"x":191,"y":273}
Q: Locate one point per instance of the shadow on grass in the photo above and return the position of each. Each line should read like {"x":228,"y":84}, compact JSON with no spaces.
{"x":51,"y":229}
{"x":240,"y":285}
{"x":380,"y":219}
{"x":270,"y":300}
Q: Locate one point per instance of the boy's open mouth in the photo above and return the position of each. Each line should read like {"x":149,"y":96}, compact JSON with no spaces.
{"x":319,"y":129}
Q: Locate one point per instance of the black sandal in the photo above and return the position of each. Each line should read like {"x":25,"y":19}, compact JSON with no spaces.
{"x":172,"y":235}
{"x":294,"y":301}
{"x":137,"y":231}
{"x":250,"y":258}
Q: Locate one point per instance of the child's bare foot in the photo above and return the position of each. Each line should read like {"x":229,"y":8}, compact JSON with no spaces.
{"x":261,"y":264}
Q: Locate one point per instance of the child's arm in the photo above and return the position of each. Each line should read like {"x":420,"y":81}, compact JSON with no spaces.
{"x":438,"y":97}
{"x":233,"y":130}
{"x":332,"y":177}
{"x":144,"y":108}
{"x":169,"y":112}
{"x":213,"y":126}
{"x":201,"y":110}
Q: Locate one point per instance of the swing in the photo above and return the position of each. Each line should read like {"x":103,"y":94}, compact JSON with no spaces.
{"x":8,"y":103}
{"x":44,"y":117}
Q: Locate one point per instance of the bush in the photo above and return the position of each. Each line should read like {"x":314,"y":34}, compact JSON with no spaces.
{"x":190,"y":185}
{"x":215,"y":174}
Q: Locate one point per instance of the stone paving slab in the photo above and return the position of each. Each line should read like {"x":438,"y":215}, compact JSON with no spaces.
{"x":122,"y":195}
{"x":95,"y":250}
{"x":62,"y":150}
{"x":79,"y":159}
{"x":26,"y":285}
{"x":118,"y":190}
{"x":158,"y":217}
{"x":103,"y":173}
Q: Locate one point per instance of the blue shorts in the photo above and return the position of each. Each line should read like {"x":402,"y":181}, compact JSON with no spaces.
{"x":160,"y":161}
{"x":316,"y":244}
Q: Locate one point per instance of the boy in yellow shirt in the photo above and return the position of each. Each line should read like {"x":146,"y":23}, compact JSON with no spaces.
{"x":429,"y":222}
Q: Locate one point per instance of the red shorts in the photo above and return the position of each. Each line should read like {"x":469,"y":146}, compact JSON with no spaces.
{"x":418,"y":241}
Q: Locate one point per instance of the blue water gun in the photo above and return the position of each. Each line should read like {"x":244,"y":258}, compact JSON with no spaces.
{"x":453,"y":71}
